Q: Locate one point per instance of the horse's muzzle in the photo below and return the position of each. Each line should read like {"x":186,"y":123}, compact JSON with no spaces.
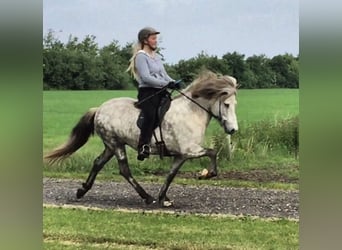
{"x":230,"y":132}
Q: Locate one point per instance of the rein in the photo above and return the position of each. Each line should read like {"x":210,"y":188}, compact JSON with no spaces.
{"x":219,"y":117}
{"x":149,"y":97}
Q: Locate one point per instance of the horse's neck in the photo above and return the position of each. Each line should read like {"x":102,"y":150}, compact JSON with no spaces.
{"x":191,"y":109}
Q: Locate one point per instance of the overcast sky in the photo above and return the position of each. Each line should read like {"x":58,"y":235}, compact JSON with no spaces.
{"x":187,"y":27}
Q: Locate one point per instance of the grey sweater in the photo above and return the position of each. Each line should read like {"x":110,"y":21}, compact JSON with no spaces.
{"x":151,"y":71}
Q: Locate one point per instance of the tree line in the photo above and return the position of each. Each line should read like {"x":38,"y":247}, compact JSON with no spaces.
{"x":83,"y":65}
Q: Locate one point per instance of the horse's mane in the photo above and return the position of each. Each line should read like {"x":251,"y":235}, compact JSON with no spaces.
{"x":209,"y":85}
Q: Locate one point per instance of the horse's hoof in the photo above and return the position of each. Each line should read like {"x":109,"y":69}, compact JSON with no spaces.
{"x":167,"y":204}
{"x":80,"y":193}
{"x":205,"y":175}
{"x":150,"y":200}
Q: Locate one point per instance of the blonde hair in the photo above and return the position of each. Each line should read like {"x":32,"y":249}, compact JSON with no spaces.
{"x":131,"y":68}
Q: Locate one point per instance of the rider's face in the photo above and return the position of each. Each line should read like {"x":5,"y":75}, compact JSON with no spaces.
{"x":152,"y":41}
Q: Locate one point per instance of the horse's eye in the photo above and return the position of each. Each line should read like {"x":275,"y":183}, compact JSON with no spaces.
{"x":227,"y":105}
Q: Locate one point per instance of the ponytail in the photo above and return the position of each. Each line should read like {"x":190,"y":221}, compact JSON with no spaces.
{"x":131,"y":68}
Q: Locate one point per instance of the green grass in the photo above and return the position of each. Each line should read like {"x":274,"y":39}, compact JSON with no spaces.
{"x":62,"y":109}
{"x":261,"y":104}
{"x":105,"y":229}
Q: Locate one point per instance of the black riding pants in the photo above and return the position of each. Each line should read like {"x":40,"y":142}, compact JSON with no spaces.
{"x":150,"y":112}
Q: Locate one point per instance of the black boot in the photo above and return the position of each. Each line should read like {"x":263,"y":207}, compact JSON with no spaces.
{"x":143,"y":152}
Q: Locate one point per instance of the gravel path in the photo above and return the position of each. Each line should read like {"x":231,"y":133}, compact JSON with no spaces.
{"x":190,"y":199}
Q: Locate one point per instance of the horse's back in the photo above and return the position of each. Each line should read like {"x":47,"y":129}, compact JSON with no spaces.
{"x":118,"y":101}
{"x":116,"y":118}
{"x":116,"y":108}
{"x":115,"y":105}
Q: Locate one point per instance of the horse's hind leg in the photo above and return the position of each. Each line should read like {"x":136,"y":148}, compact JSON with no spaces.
{"x":120,"y":153}
{"x":99,"y":162}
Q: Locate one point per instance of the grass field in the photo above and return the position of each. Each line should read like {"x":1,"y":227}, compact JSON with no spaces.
{"x":98,"y":229}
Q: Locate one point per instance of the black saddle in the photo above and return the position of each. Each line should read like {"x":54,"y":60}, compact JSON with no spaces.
{"x":165,"y":104}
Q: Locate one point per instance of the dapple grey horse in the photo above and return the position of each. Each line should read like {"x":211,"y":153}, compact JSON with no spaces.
{"x":184,"y":126}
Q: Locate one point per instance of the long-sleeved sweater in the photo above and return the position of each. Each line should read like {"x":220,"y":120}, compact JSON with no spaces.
{"x":151,"y":71}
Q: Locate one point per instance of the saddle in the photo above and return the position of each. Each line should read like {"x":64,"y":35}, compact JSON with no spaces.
{"x":165,"y":104}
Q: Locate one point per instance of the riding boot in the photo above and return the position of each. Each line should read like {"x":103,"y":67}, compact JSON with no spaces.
{"x":143,"y":147}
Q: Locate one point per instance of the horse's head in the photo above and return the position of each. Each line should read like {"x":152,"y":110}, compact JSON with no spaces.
{"x":224,"y":109}
{"x":220,"y":93}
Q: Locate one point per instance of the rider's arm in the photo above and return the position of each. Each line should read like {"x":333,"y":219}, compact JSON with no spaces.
{"x":168,"y":78}
{"x":144,"y":72}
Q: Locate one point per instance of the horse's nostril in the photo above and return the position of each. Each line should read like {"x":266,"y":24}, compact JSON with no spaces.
{"x":232,"y":131}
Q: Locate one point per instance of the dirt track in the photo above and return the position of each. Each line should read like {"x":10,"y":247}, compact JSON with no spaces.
{"x":191,"y":199}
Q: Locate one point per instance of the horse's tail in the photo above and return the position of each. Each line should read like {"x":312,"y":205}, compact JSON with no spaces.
{"x":78,"y":137}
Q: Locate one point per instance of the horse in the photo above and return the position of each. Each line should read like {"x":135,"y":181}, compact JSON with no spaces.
{"x":184,"y":125}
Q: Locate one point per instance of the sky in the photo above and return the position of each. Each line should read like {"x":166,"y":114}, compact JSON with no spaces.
{"x":188,"y":27}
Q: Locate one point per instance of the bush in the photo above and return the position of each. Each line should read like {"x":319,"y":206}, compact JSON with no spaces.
{"x":259,"y":138}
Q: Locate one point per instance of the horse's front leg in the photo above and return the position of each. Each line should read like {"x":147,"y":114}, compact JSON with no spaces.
{"x":212,"y":172}
{"x":176,"y":165}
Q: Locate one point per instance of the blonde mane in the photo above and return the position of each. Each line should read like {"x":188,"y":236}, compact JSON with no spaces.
{"x":209,"y":85}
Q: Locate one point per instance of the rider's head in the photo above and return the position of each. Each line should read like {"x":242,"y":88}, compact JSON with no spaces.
{"x":148,"y":36}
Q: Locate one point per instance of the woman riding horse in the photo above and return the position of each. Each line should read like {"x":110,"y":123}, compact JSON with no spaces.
{"x":148,"y":69}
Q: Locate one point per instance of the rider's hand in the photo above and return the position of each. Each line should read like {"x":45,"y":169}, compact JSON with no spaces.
{"x":173,"y":85}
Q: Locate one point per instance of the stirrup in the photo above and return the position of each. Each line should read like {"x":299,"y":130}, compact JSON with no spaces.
{"x":145,"y":149}
{"x":144,"y":152}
